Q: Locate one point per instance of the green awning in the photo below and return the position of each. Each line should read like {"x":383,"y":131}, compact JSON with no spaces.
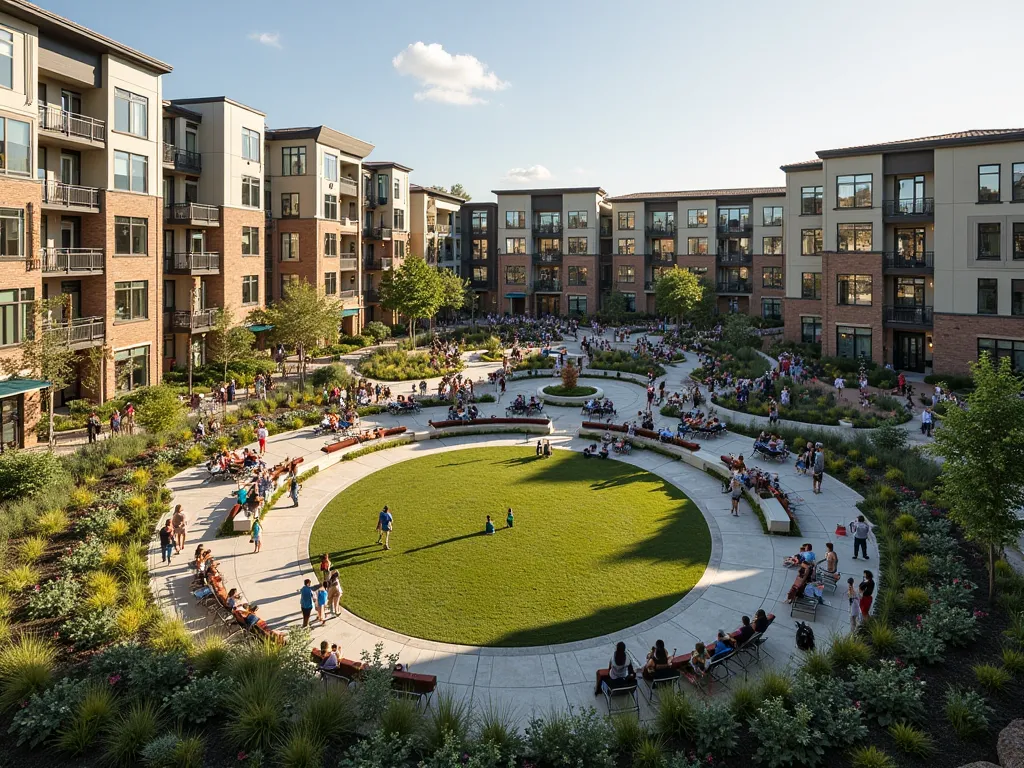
{"x":13,"y":387}
{"x":349,"y":312}
{"x":260,"y":328}
{"x":515,"y":295}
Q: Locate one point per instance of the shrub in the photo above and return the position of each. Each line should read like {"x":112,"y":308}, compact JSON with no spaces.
{"x":496,"y":725}
{"x":911,"y":740}
{"x":210,"y":654}
{"x":817,"y":664}
{"x":915,"y":568}
{"x":31,"y":549}
{"x":905,"y":522}
{"x":129,"y":733}
{"x":138,"y":670}
{"x":158,"y":409}
{"x":449,"y":718}
{"x":872,"y":462}
{"x":576,"y":737}
{"x":256,"y":716}
{"x":967,"y":712}
{"x":396,"y":365}
{"x":19,"y":578}
{"x":919,"y":645}
{"x":857,"y":475}
{"x":835,"y":716}
{"x":675,"y":719}
{"x":94,"y":712}
{"x":329,"y":376}
{"x":870,"y":757}
{"x":91,"y":629}
{"x":103,"y":590}
{"x":772,"y":684}
{"x":170,"y":634}
{"x":785,"y":738}
{"x":198,"y":700}
{"x":401,"y":719}
{"x":55,"y":598}
{"x":627,"y":733}
{"x":377,"y":331}
{"x":87,"y":556}
{"x":649,"y":753}
{"x":45,"y":713}
{"x":894,"y":476}
{"x":328,"y":714}
{"x":1013,"y":661}
{"x":380,"y":750}
{"x":889,"y":437}
{"x":914,"y":598}
{"x":910,"y":541}
{"x":889,"y":693}
{"x":716,"y":729}
{"x":52,"y":523}
{"x":131,"y":620}
{"x":991,"y":677}
{"x":959,"y":593}
{"x":953,"y":625}
{"x":25,"y":668}
{"x":883,"y":637}
{"x":23,"y":474}
{"x":744,"y":701}
{"x":847,"y":651}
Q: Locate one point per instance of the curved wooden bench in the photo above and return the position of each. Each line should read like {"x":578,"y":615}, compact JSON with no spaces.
{"x":648,"y":434}
{"x":486,"y":422}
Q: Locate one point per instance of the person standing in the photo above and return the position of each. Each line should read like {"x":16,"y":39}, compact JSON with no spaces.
{"x":321,"y":602}
{"x":927,"y":420}
{"x":180,"y":527}
{"x":510,"y":519}
{"x":736,"y":487}
{"x":325,"y":567}
{"x":306,"y":601}
{"x":854,"y":595}
{"x":860,"y":529}
{"x":867,"y":592}
{"x":334,"y":593}
{"x":166,"y":542}
{"x":257,"y":535}
{"x":92,"y":426}
{"x":385,"y":522}
{"x":261,"y":435}
{"x":818,"y":467}
{"x":293,"y":487}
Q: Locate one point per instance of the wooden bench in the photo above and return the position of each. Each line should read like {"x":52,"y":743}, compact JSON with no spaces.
{"x":403,"y":682}
{"x":365,"y":437}
{"x":645,"y":433}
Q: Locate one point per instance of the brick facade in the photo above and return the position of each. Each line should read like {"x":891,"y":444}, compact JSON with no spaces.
{"x":757,"y":278}
{"x":956,"y":338}
{"x":225,"y":290}
{"x":589,"y":291}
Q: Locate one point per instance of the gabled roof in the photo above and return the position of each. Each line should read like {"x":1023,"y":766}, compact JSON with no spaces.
{"x":323,"y":135}
{"x":700,"y":194}
{"x":386,"y":164}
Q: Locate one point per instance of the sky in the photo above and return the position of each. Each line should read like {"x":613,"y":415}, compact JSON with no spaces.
{"x":632,"y":97}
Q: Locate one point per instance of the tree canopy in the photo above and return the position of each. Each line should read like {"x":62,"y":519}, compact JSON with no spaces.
{"x":230,"y":342}
{"x":414,"y":290}
{"x":453,"y":290}
{"x":677,"y":292}
{"x":614,"y":307}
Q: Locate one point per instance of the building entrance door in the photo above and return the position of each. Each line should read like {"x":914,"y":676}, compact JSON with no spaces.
{"x":908,"y":354}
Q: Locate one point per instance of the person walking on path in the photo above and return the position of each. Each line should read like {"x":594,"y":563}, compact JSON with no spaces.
{"x":92,"y":427}
{"x":293,"y":488}
{"x":385,"y":522}
{"x":306,"y":602}
{"x":867,"y":591}
{"x":261,"y":435}
{"x":854,"y":596}
{"x":737,"y":491}
{"x":334,"y":593}
{"x":860,"y":529}
{"x":819,"y":466}
{"x":257,"y":535}
{"x":166,"y":542}
{"x":180,"y":527}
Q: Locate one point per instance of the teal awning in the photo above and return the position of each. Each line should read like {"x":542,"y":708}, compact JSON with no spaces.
{"x":13,"y":387}
{"x":515,"y":295}
{"x":260,"y":328}
{"x":349,"y":312}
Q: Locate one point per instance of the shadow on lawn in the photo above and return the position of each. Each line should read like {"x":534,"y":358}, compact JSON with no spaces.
{"x":682,"y":538}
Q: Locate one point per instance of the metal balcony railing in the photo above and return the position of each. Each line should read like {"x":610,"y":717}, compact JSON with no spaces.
{"x":735,"y":258}
{"x":547,"y":286}
{"x":666,"y":259}
{"x":919,"y":314}
{"x":182,"y":159}
{"x":649,"y":286}
{"x":918,"y":206}
{"x":444,"y":229}
{"x":734,"y":286}
{"x":371,"y":296}
{"x":71,"y":260}
{"x":193,"y":213}
{"x":547,"y":258}
{"x":348,"y":264}
{"x":192,"y":263}
{"x":920,"y":260}
{"x":200,"y":320}
{"x":71,"y":195}
{"x":735,"y":227}
{"x":53,"y":119}
{"x":79,"y":332}
{"x":661,"y":230}
{"x":546,"y":229}
{"x":377,"y":233}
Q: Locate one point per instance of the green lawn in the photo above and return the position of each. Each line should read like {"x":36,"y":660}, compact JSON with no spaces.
{"x":597,"y":546}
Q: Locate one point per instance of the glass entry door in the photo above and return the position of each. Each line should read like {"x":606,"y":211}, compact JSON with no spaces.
{"x":909,"y":352}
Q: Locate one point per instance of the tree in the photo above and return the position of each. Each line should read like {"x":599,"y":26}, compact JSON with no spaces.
{"x":453,"y":290}
{"x":983,"y":447}
{"x":96,"y":360}
{"x":702,"y":315}
{"x":303,"y":318}
{"x":413,"y":291}
{"x":614,"y":307}
{"x":677,"y":292}
{"x":158,"y":409}
{"x":738,"y":330}
{"x":460,"y":191}
{"x":230,"y":342}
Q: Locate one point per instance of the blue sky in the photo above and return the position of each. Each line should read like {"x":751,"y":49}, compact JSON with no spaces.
{"x":679,"y":96}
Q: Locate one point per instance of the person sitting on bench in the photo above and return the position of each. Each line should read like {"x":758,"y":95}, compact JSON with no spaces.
{"x":330,"y":658}
{"x":699,"y":660}
{"x":658,"y":657}
{"x":620,"y":669}
{"x":724,"y":644}
{"x":794,"y":561}
{"x":604,"y":451}
{"x":760,"y":620}
{"x":251,"y":619}
{"x":745,"y":631}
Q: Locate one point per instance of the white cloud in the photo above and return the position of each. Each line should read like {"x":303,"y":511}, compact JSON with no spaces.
{"x":269,"y":39}
{"x":444,"y":77}
{"x":528,"y":175}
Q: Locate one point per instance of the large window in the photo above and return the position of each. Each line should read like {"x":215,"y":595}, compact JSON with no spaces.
{"x":663,"y":221}
{"x":811,"y":242}
{"x":293,"y":161}
{"x":699,"y":271}
{"x":330,"y":167}
{"x":479,"y":222}
{"x":479,"y":252}
{"x":810,"y":201}
{"x":130,"y":172}
{"x":853,"y":191}
{"x":12,"y":233}
{"x":578,"y":245}
{"x":771,"y":277}
{"x":577,"y":219}
{"x":627,"y":274}
{"x":251,"y":191}
{"x":6,"y":59}
{"x":289,"y":205}
{"x":399,"y":249}
{"x":988,"y":296}
{"x":1017,"y":297}
{"x":382,"y":188}
{"x":697,"y":245}
{"x":514,"y":219}
{"x":399,"y":219}
{"x":664,"y":246}
{"x":853,"y":237}
{"x":989,"y":241}
{"x":548,"y":246}
{"x":853,"y":342}
{"x":771,"y":309}
{"x":398,"y":188}
{"x":479,"y":274}
{"x":131,"y":368}
{"x":15,"y":146}
{"x":577,"y":275}
{"x":771,"y":215}
{"x":988,"y":183}
{"x":515,"y":275}
{"x":627,"y":220}
{"x":1018,"y":182}
{"x":330,"y":283}
{"x":810,"y":285}
{"x":630,"y":301}
{"x":289,"y":246}
{"x":330,"y":243}
{"x":515,"y":245}
{"x":331,"y":207}
{"x":627,"y":245}
{"x":131,"y":300}
{"x":16,"y":308}
{"x":131,"y":113}
{"x":251,"y":145}
{"x":697,"y":217}
{"x":772,"y":246}
{"x":1000,"y":348}
{"x":250,"y":289}
{"x":1018,"y":240}
{"x":577,"y":305}
{"x":810,"y":330}
{"x":854,"y":290}
{"x":734,"y":219}
{"x":131,"y":236}
{"x":250,"y":241}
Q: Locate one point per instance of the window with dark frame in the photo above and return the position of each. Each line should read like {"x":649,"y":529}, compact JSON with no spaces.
{"x":853,"y":342}
{"x":1017,"y":171}
{"x":12,"y":233}
{"x":772,"y":246}
{"x":771,"y":215}
{"x":1018,"y":240}
{"x":1017,"y":297}
{"x":988,"y":183}
{"x":853,"y":290}
{"x":663,"y":246}
{"x":17,"y":307}
{"x":515,"y":275}
{"x":131,"y":236}
{"x":251,"y":191}
{"x":577,"y":219}
{"x":479,"y":249}
{"x":131,"y":368}
{"x":515,"y":219}
{"x":1000,"y":348}
{"x":990,"y":241}
{"x":131,"y":172}
{"x":771,"y":309}
{"x":578,"y":245}
{"x":810,"y":330}
{"x":293,"y":161}
{"x":330,"y":244}
{"x":479,"y":222}
{"x":696,"y":217}
{"x":548,"y":246}
{"x":626,"y":273}
{"x":250,"y":144}
{"x":577,"y":275}
{"x":811,"y":242}
{"x":330,"y":206}
{"x":810,"y":285}
{"x":131,"y":113}
{"x":854,"y":237}
{"x":772,"y":277}
{"x":627,"y":245}
{"x":515,"y":245}
{"x":250,"y":289}
{"x":988,"y":296}
{"x":250,"y":241}
{"x":330,"y":167}
{"x":697,"y":246}
{"x":330,"y":283}
{"x":289,"y":246}
{"x":479,"y":274}
{"x":810,"y":200}
{"x":853,"y":191}
{"x":627,"y":220}
{"x":577,"y":305}
{"x":289,"y":205}
{"x":131,"y":300}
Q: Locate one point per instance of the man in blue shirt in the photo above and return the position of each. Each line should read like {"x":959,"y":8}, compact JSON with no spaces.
{"x":385,"y":522}
{"x":306,"y":602}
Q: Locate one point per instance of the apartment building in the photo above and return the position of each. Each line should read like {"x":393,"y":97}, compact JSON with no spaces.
{"x":732,"y":238}
{"x":312,"y":197}
{"x":476,"y":246}
{"x":385,"y":229}
{"x":213,"y":240}
{"x":549,"y":250}
{"x":432,"y":226}
{"x":910,"y":252}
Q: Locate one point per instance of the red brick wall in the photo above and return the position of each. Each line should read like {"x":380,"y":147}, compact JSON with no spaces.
{"x":589,"y":290}
{"x":757,"y":277}
{"x":225,"y":290}
{"x":637,"y":287}
{"x":515,"y":260}
{"x":835,"y":264}
{"x":792,"y":310}
{"x":956,"y":338}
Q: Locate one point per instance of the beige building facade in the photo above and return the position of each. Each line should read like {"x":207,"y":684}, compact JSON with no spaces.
{"x":386,"y":221}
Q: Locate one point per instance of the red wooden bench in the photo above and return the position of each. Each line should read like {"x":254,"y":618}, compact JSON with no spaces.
{"x":485,"y":422}
{"x":647,"y":433}
{"x":405,"y":683}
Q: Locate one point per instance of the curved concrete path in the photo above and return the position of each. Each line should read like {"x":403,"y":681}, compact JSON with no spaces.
{"x":744,"y":572}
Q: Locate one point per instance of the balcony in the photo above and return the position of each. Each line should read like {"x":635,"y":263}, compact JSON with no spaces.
{"x":921,"y":261}
{"x":734,"y":286}
{"x":71,"y":261}
{"x":70,"y":129}
{"x":649,"y":286}
{"x":735,"y":258}
{"x":348,"y":297}
{"x":347,"y":186}
{"x":547,"y":286}
{"x":661,"y":230}
{"x":80,"y":332}
{"x":376,"y":264}
{"x":371,"y":296}
{"x":182,"y":159}
{"x":547,"y":258}
{"x":662,"y":259}
{"x":735,"y":227}
{"x":914,"y":209}
{"x":70,"y":197}
{"x":192,"y":214}
{"x":200,"y":321}
{"x":377,"y":233}
{"x":547,"y":230}
{"x":444,"y":229}
{"x":349,"y":264}
{"x":349,"y":226}
{"x":371,"y":200}
{"x":201,"y":263}
{"x":606,"y":230}
{"x":918,"y":316}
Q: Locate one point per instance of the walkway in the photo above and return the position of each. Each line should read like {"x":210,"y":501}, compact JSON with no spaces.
{"x":744,"y":572}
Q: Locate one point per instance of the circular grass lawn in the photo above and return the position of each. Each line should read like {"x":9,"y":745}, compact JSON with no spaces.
{"x":597,"y":546}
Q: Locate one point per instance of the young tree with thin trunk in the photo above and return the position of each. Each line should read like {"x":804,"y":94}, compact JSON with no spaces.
{"x":303,"y":318}
{"x":677,"y":292}
{"x":230,"y":342}
{"x":414,"y":291}
{"x":453,"y":290}
{"x":982,"y":481}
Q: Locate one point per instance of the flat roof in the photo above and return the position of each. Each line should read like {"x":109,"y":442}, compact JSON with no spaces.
{"x":700,"y":194}
{"x":550,"y":191}
{"x":212,"y":99}
{"x":50,"y":24}
{"x":387,"y":164}
{"x":174,"y":109}
{"x":437,"y":193}
{"x":323,"y":135}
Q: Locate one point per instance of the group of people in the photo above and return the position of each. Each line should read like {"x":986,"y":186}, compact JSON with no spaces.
{"x":206,"y":567}
{"x":812,"y":459}
{"x":812,"y":577}
{"x":325,"y":596}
